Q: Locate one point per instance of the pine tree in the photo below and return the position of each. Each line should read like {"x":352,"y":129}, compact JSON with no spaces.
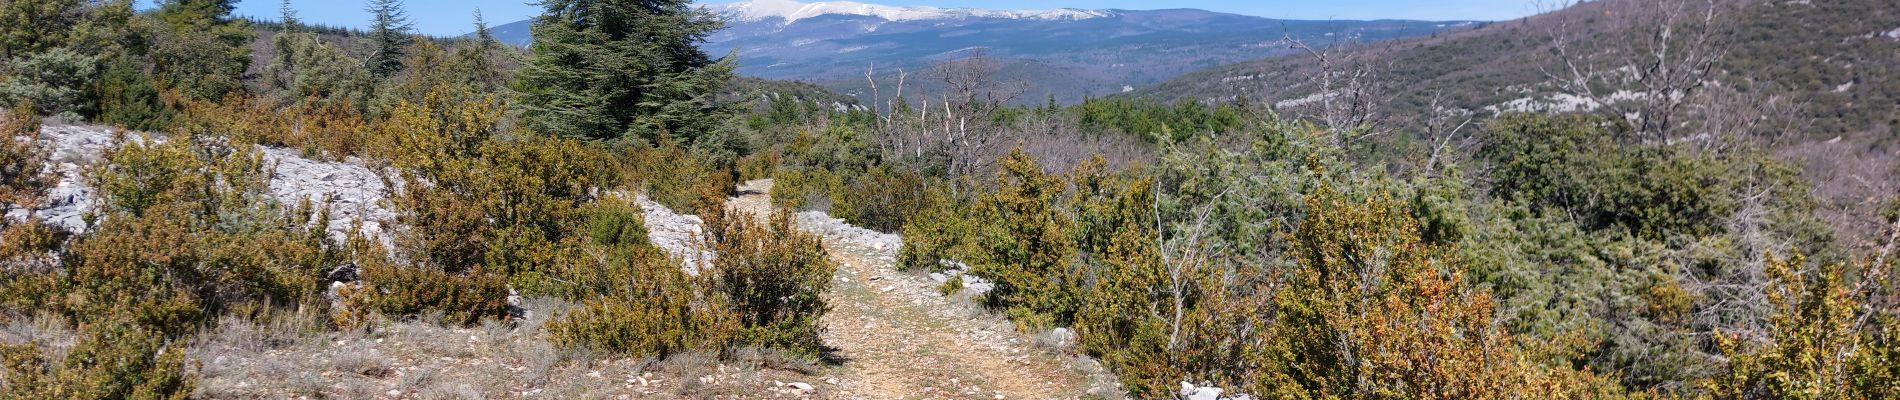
{"x":32,"y":26}
{"x":201,"y":51}
{"x":481,"y":28}
{"x":388,"y":37}
{"x":607,"y":69}
{"x":475,"y":60}
{"x":304,"y":67}
{"x":281,"y":73}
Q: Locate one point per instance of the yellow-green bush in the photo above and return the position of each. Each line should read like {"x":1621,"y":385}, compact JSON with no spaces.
{"x":23,"y":181}
{"x":939,"y":231}
{"x":1814,"y":348}
{"x":115,"y":359}
{"x":1131,"y":319}
{"x":462,"y":298}
{"x":1022,"y":241}
{"x":656,"y":312}
{"x":638,"y":302}
{"x":319,"y":130}
{"x":764,"y":289}
{"x":672,"y":174}
{"x":23,"y":185}
{"x":596,"y":265}
{"x":477,"y":200}
{"x":808,"y":189}
{"x":185,"y":233}
{"x":774,"y":277}
{"x":189,"y":218}
{"x":759,"y":166}
{"x":880,"y":199}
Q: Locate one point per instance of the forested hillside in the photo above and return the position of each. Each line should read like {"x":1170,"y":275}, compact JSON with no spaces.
{"x":1832,"y":58}
{"x":1812,"y":81}
{"x":528,"y":237}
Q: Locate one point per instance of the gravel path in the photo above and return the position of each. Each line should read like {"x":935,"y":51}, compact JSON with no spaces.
{"x":898,"y":338}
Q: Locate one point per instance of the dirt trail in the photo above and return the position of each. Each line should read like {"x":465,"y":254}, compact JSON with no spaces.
{"x":899,"y":339}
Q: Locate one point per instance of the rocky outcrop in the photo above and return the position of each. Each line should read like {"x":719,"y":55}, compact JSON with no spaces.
{"x":1206,"y":391}
{"x":351,"y":189}
{"x":678,"y":234}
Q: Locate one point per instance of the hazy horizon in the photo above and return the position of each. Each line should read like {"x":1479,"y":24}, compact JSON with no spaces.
{"x":456,"y":17}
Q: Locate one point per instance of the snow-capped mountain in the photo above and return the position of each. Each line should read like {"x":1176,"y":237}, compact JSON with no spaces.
{"x":1066,"y":53}
{"x":789,"y":11}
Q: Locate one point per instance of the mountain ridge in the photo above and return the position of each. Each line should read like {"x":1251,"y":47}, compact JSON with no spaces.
{"x":1068,"y":54}
{"x":790,"y":11}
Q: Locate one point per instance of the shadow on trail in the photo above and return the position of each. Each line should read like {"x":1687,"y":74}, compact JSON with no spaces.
{"x":831,"y":356}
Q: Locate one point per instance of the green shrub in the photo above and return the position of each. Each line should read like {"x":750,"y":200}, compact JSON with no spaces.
{"x":1815,"y":347}
{"x":673,"y":174}
{"x":764,"y":288}
{"x":186,"y":233}
{"x":640,"y":302}
{"x":23,"y":179}
{"x":939,"y":231}
{"x":808,"y":189}
{"x":1373,"y":309}
{"x":1156,"y":122}
{"x":881,"y":199}
{"x":659,"y":312}
{"x":462,"y":298}
{"x":477,"y":197}
{"x":585,"y":268}
{"x":129,"y":98}
{"x":773,"y":276}
{"x":116,"y":359}
{"x":54,"y":81}
{"x":617,"y":224}
{"x":185,"y":224}
{"x":1158,"y":314}
{"x":759,"y":166}
{"x":1570,"y":164}
{"x":1022,"y":242}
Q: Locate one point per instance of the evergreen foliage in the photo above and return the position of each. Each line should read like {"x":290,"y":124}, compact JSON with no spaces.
{"x":128,"y":97}
{"x":305,"y":68}
{"x":1157,"y":122}
{"x":388,"y":37}
{"x":1813,"y":348}
{"x":53,"y":81}
{"x":610,"y":69}
{"x":772,"y":276}
{"x":198,"y":49}
{"x":1026,"y":248}
{"x":1556,"y":257}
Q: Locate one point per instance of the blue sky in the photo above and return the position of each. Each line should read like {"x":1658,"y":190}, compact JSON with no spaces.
{"x":451,"y":17}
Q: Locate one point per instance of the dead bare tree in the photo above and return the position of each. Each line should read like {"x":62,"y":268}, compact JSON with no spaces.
{"x":1183,"y":257}
{"x":973,"y":93}
{"x":1351,"y":92}
{"x":1730,"y":117}
{"x":1442,"y":129}
{"x":1647,"y":65}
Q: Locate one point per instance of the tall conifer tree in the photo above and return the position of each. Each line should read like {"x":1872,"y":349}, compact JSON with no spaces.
{"x":388,"y":37}
{"x":607,"y":69}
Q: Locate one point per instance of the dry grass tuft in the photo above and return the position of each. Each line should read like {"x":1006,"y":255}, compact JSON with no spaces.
{"x":366,"y":362}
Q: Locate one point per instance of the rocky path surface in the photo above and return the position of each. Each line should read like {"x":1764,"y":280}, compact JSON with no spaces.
{"x":896,"y":337}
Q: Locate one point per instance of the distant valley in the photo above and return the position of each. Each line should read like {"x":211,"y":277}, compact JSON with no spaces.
{"x":1068,"y":54}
